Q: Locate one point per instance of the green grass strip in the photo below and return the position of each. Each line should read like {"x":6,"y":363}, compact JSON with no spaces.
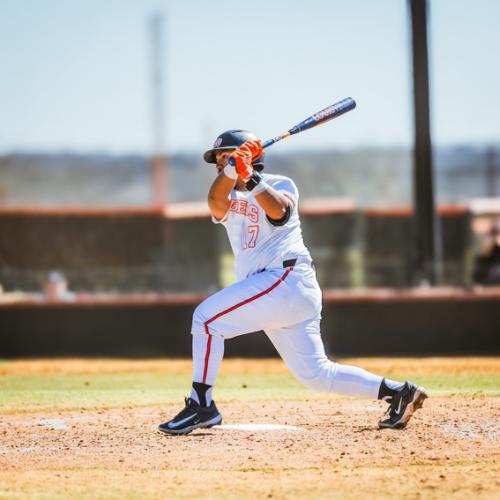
{"x":138,"y":389}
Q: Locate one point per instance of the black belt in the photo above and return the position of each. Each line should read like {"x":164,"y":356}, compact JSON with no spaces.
{"x":292,"y":262}
{"x":286,"y":263}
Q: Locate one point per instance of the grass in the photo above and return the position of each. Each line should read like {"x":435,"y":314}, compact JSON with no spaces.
{"x":94,"y":390}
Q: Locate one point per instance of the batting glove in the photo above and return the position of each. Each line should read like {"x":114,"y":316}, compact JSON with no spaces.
{"x":242,"y":161}
{"x":254,"y":148}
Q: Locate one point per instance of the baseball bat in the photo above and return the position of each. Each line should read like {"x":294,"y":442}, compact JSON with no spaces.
{"x":323,"y":116}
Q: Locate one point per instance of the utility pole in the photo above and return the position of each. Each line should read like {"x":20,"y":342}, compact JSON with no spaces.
{"x":426,"y":268}
{"x":491,"y":173}
{"x":159,"y":164}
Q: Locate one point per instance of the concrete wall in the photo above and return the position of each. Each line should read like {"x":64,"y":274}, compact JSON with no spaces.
{"x":350,"y":327}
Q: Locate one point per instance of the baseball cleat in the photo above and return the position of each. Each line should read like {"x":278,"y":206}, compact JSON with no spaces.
{"x":193,"y":416}
{"x":403,"y":406}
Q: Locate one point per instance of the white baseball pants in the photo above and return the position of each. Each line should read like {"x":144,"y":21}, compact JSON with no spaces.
{"x":286,"y":304}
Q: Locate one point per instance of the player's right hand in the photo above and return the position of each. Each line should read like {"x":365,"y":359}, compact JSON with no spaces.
{"x":254,"y":147}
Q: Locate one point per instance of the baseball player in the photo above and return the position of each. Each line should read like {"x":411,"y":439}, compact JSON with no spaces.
{"x":276,"y":291}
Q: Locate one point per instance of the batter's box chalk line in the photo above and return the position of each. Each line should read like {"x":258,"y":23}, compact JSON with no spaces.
{"x":258,"y":427}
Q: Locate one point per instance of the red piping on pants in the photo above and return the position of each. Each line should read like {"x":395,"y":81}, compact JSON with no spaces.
{"x":251,"y":299}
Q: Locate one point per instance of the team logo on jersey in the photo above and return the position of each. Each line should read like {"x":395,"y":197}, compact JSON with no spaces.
{"x":242,"y":207}
{"x":217,"y":142}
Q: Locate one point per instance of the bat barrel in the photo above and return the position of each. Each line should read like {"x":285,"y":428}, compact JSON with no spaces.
{"x":327,"y":114}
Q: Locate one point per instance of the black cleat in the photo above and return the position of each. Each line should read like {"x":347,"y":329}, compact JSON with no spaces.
{"x":403,"y":405}
{"x":192,"y":417}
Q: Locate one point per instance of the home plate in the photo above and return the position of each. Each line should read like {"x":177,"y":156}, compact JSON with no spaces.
{"x":53,"y":423}
{"x":258,"y":427}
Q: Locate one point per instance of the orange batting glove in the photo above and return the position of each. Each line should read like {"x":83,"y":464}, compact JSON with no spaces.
{"x":242,"y":161}
{"x":254,"y":148}
{"x":244,"y":156}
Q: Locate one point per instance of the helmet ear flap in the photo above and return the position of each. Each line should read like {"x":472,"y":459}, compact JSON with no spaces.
{"x":258,"y":165}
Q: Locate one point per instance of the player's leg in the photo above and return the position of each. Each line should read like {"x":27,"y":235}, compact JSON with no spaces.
{"x":302,"y":349}
{"x":244,"y":307}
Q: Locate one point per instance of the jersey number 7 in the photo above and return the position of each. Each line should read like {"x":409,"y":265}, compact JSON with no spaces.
{"x":251,"y":237}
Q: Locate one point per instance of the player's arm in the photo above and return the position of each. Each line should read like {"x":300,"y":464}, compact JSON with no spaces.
{"x":276,"y":204}
{"x":219,"y":195}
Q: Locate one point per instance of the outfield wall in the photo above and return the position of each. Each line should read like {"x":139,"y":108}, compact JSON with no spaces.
{"x":379,"y":322}
{"x":176,"y":248}
{"x":172,"y":256}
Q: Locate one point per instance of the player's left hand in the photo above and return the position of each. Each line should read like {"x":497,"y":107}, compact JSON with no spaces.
{"x":242,"y":161}
{"x":243,"y":157}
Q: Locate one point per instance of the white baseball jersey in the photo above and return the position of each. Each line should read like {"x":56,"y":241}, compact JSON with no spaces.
{"x":257,"y":244}
{"x":284,"y":302}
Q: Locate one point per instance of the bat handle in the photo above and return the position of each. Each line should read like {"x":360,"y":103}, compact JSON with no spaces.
{"x":269,"y":142}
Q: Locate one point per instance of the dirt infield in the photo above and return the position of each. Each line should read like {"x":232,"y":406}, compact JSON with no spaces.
{"x":450,"y":449}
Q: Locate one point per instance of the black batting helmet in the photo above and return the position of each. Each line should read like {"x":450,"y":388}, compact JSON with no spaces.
{"x":232,"y":139}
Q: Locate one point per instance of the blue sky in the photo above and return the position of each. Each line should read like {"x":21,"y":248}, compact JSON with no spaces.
{"x":75,"y":75}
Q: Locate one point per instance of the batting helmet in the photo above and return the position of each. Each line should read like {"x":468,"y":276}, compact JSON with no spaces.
{"x":232,"y":139}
